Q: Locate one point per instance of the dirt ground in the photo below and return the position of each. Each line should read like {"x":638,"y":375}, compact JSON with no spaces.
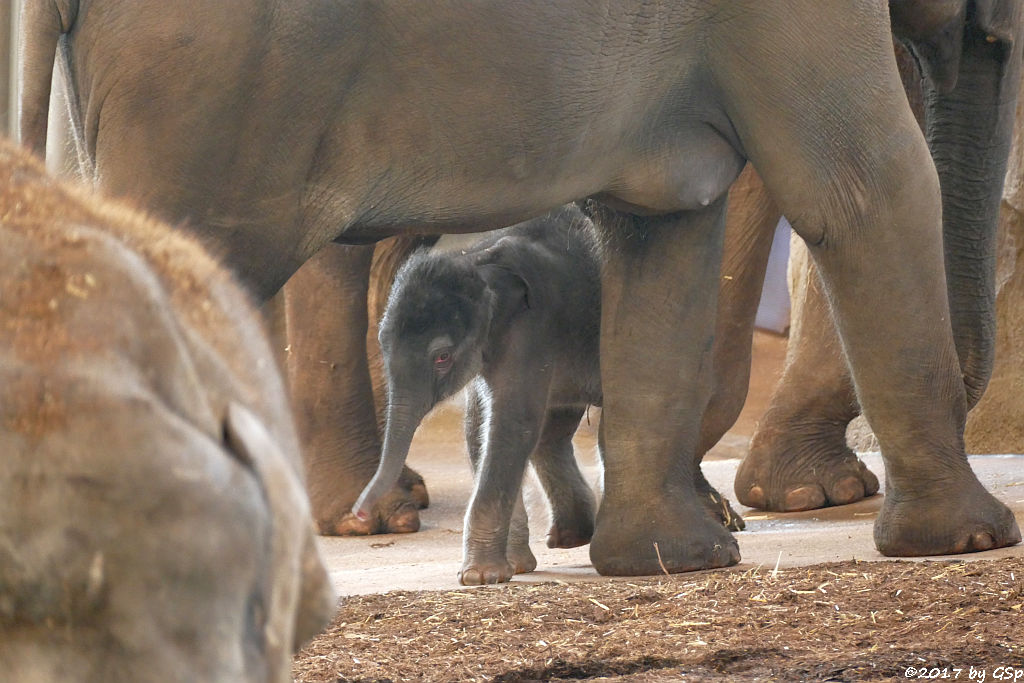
{"x":837,"y":622}
{"x":812,"y":599}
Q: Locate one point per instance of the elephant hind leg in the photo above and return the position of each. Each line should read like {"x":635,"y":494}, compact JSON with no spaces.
{"x":569,"y":495}
{"x":798,"y":458}
{"x":860,"y":188}
{"x":749,"y":231}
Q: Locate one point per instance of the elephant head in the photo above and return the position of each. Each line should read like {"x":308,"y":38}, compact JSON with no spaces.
{"x":970,"y":52}
{"x":432,"y":340}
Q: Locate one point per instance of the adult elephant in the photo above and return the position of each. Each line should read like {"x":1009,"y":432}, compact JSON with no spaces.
{"x":799,"y":458}
{"x":650,"y":109}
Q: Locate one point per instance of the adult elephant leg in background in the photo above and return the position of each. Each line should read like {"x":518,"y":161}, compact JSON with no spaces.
{"x":320,"y":321}
{"x":798,"y":458}
{"x":805,"y":424}
{"x":823,"y":390}
{"x":874,"y":237}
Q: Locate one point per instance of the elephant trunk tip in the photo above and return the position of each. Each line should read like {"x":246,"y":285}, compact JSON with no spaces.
{"x":368,"y":498}
{"x":362,"y":508}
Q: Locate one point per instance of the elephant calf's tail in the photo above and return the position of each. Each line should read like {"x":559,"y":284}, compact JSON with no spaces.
{"x":43,"y":23}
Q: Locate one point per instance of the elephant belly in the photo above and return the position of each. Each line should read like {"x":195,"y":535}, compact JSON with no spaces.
{"x":685,"y":173}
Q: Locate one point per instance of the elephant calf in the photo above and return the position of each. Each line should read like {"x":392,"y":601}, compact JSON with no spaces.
{"x":516,"y":317}
{"x":153,"y":521}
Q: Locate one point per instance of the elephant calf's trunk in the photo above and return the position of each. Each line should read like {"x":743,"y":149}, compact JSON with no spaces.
{"x":397,"y":440}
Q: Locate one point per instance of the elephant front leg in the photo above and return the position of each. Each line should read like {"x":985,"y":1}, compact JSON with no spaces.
{"x":798,"y":457}
{"x":322,"y":311}
{"x":659,"y":295}
{"x":517,"y":550}
{"x":851,"y":170}
{"x":510,"y":415}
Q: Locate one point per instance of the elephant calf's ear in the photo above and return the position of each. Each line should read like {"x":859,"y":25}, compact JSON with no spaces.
{"x":507,"y":285}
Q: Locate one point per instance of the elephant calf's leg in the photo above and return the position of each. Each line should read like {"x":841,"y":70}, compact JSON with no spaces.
{"x":798,"y":457}
{"x":570,"y":497}
{"x":517,"y":549}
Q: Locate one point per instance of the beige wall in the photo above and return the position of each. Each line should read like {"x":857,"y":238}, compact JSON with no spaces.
{"x":6,"y":64}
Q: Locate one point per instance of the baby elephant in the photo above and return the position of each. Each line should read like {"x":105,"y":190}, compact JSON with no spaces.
{"x":516,"y":318}
{"x":153,"y":520}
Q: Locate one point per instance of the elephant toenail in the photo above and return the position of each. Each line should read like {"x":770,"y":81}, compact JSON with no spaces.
{"x":405,"y":521}
{"x":982,"y":540}
{"x":755,"y":497}
{"x":847,"y":490}
{"x":804,"y":498}
{"x":350,"y":525}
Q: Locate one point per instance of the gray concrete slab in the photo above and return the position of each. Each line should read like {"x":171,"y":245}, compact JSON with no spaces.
{"x":430,"y":559}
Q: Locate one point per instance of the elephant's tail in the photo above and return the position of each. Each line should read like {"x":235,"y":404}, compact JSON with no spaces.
{"x":43,"y":24}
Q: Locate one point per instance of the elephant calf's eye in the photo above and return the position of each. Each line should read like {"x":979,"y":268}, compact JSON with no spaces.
{"x":442,"y":360}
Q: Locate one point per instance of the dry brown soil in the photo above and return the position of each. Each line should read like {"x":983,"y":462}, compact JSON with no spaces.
{"x":839,"y":621}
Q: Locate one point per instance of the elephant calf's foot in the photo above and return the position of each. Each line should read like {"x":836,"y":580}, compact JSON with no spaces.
{"x":572,"y":529}
{"x":671,"y":536}
{"x":570,"y":537}
{"x":477,"y":571}
{"x":793,"y":470}
{"x":948,"y":520}
{"x":395,"y":513}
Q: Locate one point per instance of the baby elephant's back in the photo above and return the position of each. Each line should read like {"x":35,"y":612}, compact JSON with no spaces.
{"x":558,"y":256}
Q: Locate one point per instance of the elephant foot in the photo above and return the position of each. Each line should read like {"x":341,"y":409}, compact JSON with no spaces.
{"x":412,"y":482}
{"x":574,"y":528}
{"x":521,"y":558}
{"x":947,"y":520}
{"x":718,"y":505}
{"x":635,"y":539}
{"x":793,"y":469}
{"x":570,"y":536}
{"x":395,"y":513}
{"x":478,"y":571}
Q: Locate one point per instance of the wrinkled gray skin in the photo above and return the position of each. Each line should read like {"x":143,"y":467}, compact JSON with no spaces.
{"x":798,"y":457}
{"x":154,"y":521}
{"x":274,"y":128}
{"x":516,"y":317}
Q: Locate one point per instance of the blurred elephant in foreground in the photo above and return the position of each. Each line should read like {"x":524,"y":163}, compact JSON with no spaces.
{"x":154,"y":521}
{"x":649,"y":110}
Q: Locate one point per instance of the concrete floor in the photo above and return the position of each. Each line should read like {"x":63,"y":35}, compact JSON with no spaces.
{"x":430,"y":559}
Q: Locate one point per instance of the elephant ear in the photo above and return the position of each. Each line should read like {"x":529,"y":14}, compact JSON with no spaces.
{"x":298,"y":610}
{"x":498,"y":268}
{"x":999,"y":19}
{"x":934,"y":29}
